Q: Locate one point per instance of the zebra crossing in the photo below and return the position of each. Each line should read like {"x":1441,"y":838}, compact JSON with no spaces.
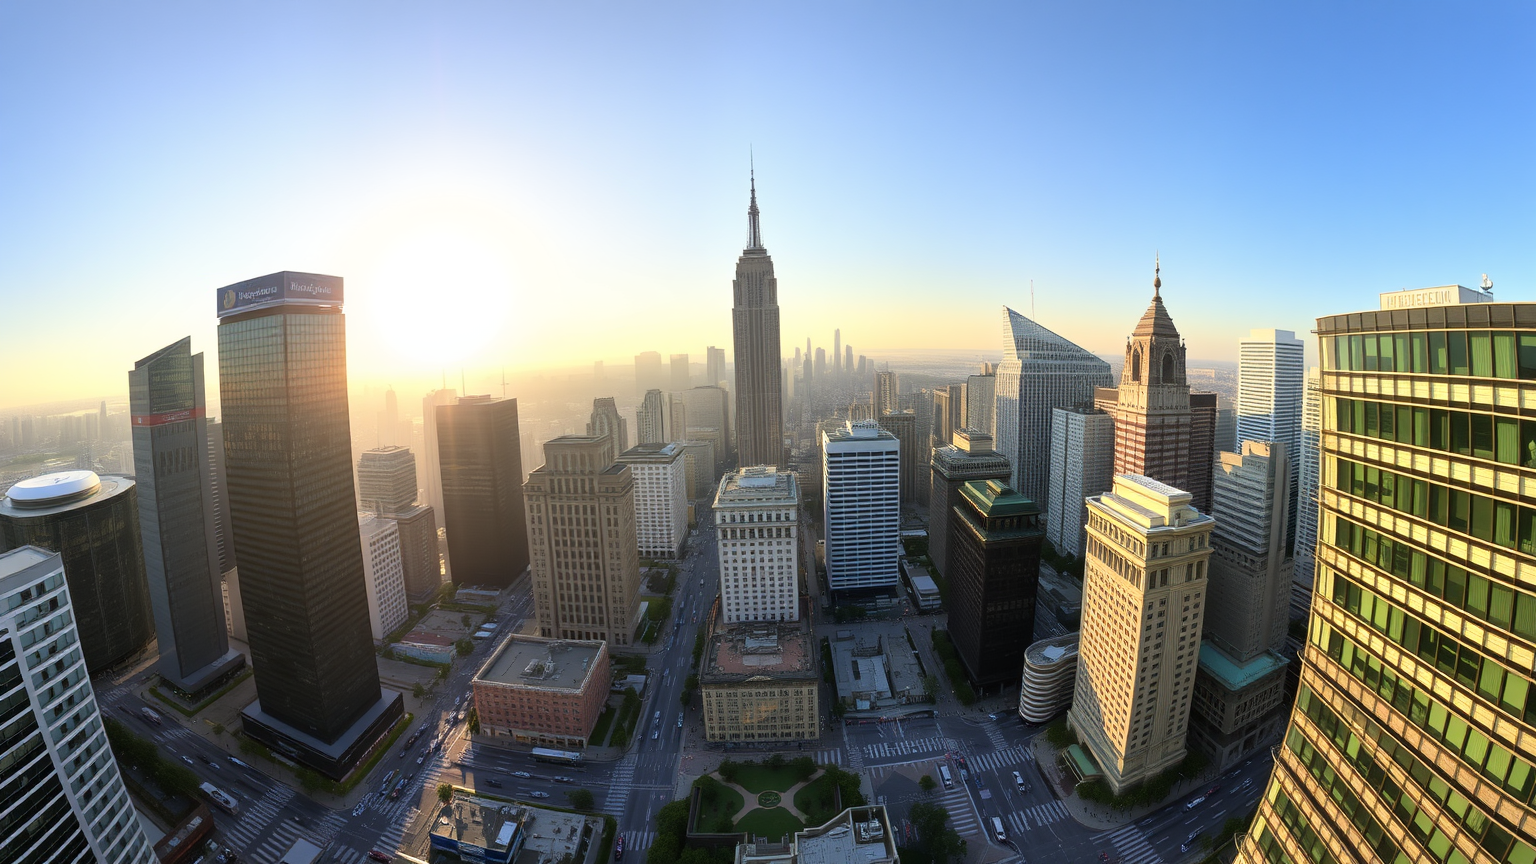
{"x":962,"y":815}
{"x":638,"y":841}
{"x":855,"y":754}
{"x":389,"y":841}
{"x":282,"y":837}
{"x":908,"y":747}
{"x":1133,"y":846}
{"x":995,"y":735}
{"x":1037,"y":816}
{"x":258,"y":814}
{"x":828,"y":757}
{"x":1000,"y":759}
{"x":618,"y":787}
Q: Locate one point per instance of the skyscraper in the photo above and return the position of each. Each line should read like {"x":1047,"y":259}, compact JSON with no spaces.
{"x":389,"y":420}
{"x":755,"y":325}
{"x":648,"y":372}
{"x":885,"y":392}
{"x":968,"y":456}
{"x":980,"y":395}
{"x":581,"y":529}
{"x":680,"y":378}
{"x":386,"y":480}
{"x":171,"y":461}
{"x":821,"y":363}
{"x":861,"y":506}
{"x":1307,"y":490}
{"x":904,"y":426}
{"x":606,"y":421}
{"x":1409,"y":738}
{"x":651,"y":418}
{"x":1155,"y":423}
{"x":1040,"y":372}
{"x":65,"y":800}
{"x":287,"y":445}
{"x":433,"y":466}
{"x":756,"y":521}
{"x":848,"y":360}
{"x":994,"y":571}
{"x":386,"y":486}
{"x":223,"y":540}
{"x":94,"y":523}
{"x":1240,"y":687}
{"x":1144,"y":584}
{"x":660,"y":498}
{"x":481,"y":454}
{"x":837,"y":352}
{"x":714,"y":366}
{"x":1082,"y":464}
{"x":1270,"y":370}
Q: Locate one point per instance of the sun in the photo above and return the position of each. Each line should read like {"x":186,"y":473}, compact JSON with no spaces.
{"x":439,"y":297}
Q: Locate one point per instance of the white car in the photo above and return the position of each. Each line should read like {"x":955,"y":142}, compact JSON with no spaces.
{"x":1018,"y":780}
{"x":361,"y":806}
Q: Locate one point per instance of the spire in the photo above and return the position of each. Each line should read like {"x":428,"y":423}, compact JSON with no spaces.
{"x":1157,"y":274}
{"x":754,"y":233}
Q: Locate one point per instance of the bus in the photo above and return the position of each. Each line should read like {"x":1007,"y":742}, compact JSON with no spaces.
{"x":558,"y":757}
{"x":221,"y":799}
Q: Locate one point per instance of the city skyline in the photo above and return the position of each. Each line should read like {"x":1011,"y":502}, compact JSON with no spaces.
{"x":1274,"y":182}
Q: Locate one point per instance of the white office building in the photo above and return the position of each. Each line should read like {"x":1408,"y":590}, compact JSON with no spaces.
{"x":1270,"y":370}
{"x":1082,"y":465}
{"x":660,"y":472}
{"x":383,"y":573}
{"x":1040,"y":372}
{"x":861,"y":505}
{"x":756,"y":521}
{"x":1307,"y":492}
{"x":64,"y":798}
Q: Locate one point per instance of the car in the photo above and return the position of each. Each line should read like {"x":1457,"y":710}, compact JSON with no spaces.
{"x":1189,"y":842}
{"x":188,"y":760}
{"x":564,"y":780}
{"x":1213,"y":790}
{"x":235,"y":761}
{"x":523,"y":774}
{"x":618,"y":848}
{"x":457,"y":700}
{"x":1018,"y":780}
{"x":1247,"y":784}
{"x":1195,"y":802}
{"x":419,"y":759}
{"x":493,"y":782}
{"x":655,"y":734}
{"x":679,"y":719}
{"x":979,"y":785}
{"x":379,"y":856}
{"x":361,"y":805}
{"x":539,"y":794}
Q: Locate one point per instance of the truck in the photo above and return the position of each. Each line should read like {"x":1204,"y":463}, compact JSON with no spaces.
{"x":221,"y":799}
{"x":150,"y":716}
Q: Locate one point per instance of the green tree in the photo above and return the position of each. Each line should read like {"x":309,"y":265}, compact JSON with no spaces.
{"x":464,"y":646}
{"x":927,"y":784}
{"x":729,"y":770}
{"x":464,"y":619}
{"x":581,"y":799}
{"x":418,"y":691}
{"x":803,"y":766}
{"x":444,"y":792}
{"x":218,"y":728}
{"x":936,"y":838}
{"x":776,"y":761}
{"x":696,"y":855}
{"x":474,"y":721}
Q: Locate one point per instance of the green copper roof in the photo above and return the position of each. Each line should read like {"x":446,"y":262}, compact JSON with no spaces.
{"x":1233,"y":675}
{"x":994,"y":498}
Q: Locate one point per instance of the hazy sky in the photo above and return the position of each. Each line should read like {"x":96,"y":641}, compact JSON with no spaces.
{"x":514,"y":184}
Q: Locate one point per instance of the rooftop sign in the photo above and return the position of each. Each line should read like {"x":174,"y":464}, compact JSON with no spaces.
{"x":1444,"y":295}
{"x":279,"y":289}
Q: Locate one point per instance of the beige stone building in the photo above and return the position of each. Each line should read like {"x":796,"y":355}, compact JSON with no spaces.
{"x":759,"y":683}
{"x":757,"y":523}
{"x":581,"y":539}
{"x":1144,"y":587}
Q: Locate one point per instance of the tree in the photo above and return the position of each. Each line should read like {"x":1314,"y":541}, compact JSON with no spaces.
{"x":927,"y":784}
{"x":464,"y":647}
{"x":729,"y":770}
{"x":218,"y":728}
{"x":776,"y":761}
{"x":474,"y":721}
{"x":803,"y":766}
{"x":938,"y":839}
{"x":444,"y":792}
{"x":464,"y":619}
{"x":581,"y":799}
{"x":418,"y":691}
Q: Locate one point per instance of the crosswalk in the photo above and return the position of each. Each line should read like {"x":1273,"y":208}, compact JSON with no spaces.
{"x":995,"y":735}
{"x":282,"y":837}
{"x":638,"y":841}
{"x":908,"y":747}
{"x":1037,"y":816}
{"x":1133,"y":846}
{"x":961,"y":814}
{"x":1000,"y":759}
{"x":618,"y":787}
{"x":828,"y":757}
{"x":256,"y":816}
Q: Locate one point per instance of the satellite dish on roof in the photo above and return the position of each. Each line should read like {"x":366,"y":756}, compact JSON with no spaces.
{"x":1487,"y":283}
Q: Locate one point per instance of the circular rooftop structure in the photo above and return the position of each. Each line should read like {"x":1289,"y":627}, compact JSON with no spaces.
{"x":53,"y":489}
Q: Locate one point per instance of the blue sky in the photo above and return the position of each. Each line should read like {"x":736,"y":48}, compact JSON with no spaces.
{"x":516,"y":184}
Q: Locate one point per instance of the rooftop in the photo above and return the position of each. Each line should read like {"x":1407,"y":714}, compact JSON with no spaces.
{"x":61,"y":492}
{"x":859,"y":430}
{"x":1145,"y":505}
{"x":1234,"y":675}
{"x":652,"y":452}
{"x":1047,"y":652}
{"x":859,"y":835}
{"x":549,"y":664}
{"x":757,"y":485}
{"x":760,"y":648}
{"x":21,"y":558}
{"x":488,"y":824}
{"x":996,"y":498}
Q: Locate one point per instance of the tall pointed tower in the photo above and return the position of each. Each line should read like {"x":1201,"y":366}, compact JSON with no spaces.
{"x":1155,"y":434}
{"x":755,"y":323}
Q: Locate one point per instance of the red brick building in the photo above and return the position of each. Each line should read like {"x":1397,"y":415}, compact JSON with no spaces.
{"x":543,"y":692}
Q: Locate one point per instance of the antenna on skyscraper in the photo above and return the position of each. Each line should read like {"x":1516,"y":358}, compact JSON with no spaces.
{"x":503,"y":383}
{"x":1032,"y":300}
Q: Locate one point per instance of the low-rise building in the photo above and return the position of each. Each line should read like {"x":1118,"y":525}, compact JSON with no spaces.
{"x":759,"y":683}
{"x":421,"y":645}
{"x":481,"y":829}
{"x":1050,"y":672}
{"x":858,"y":835}
{"x":543,"y":692}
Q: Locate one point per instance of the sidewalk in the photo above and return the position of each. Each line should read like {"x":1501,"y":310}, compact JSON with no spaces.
{"x":1092,"y":815}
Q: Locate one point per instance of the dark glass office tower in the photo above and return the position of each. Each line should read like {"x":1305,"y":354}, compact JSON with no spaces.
{"x":171,"y":462}
{"x":994,"y":572}
{"x":482,"y":465}
{"x":93,"y":523}
{"x":287,"y":452}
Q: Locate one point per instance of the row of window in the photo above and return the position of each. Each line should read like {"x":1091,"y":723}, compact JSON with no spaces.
{"x":1478,"y":353}
{"x":1471,"y":745}
{"x":1372,"y":767}
{"x":1302,"y":833}
{"x":1509,"y":440}
{"x":1480,"y":516}
{"x":1349,"y":804}
{"x":1478,"y":596}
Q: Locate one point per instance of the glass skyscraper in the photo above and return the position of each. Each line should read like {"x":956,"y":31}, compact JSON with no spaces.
{"x":1412,"y":734}
{"x":287,"y":450}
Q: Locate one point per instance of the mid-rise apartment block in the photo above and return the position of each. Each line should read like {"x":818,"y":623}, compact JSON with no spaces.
{"x":581,"y":530}
{"x":1082,"y":465}
{"x":1411,"y":735}
{"x":759,"y":684}
{"x":661,"y":498}
{"x":543,"y":692}
{"x":65,"y":800}
{"x":1050,"y":676}
{"x":383,"y":574}
{"x":757,"y":524}
{"x":968,"y":456}
{"x":1144,"y":586}
{"x":861,"y":506}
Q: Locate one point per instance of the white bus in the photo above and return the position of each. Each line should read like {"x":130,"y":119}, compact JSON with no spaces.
{"x":949,"y":782}
{"x":223,"y":800}
{"x":997,"y":828}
